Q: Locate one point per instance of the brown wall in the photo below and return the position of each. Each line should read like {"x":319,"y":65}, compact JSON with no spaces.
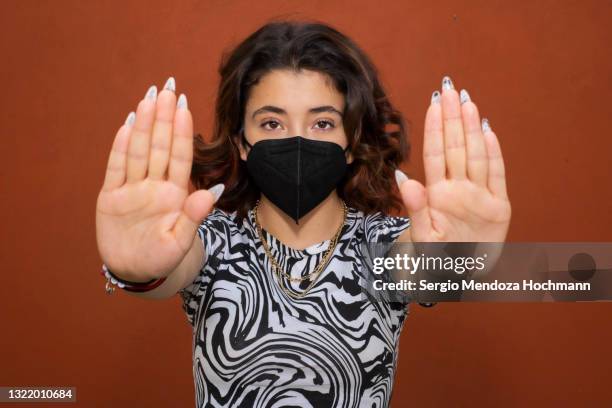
{"x":72,"y":70}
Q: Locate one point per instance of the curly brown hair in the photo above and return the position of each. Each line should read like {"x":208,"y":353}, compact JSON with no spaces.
{"x":369,"y":184}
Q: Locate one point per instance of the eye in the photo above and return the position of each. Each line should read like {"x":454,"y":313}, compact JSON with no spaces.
{"x":276,"y":124}
{"x":325,"y":122}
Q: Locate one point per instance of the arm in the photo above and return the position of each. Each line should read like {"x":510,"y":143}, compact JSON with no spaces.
{"x":464,"y":197}
{"x":181,"y":277}
{"x":142,"y":191}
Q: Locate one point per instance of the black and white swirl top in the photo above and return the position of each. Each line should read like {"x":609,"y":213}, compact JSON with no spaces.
{"x":254,"y":346}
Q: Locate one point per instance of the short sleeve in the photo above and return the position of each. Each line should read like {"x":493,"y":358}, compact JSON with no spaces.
{"x":383,"y":228}
{"x":212,"y":233}
{"x":380,"y":233}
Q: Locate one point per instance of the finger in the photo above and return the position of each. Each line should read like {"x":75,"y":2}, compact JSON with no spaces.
{"x":140,"y":139}
{"x":161,"y":140}
{"x":454,"y":140}
{"x":433,"y":144}
{"x":116,"y":166}
{"x":197,"y":206}
{"x":414,"y":196}
{"x":477,"y":161}
{"x":497,"y":172}
{"x":182,"y":145}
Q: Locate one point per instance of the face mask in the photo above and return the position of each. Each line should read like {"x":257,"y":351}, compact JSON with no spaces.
{"x":296,"y":173}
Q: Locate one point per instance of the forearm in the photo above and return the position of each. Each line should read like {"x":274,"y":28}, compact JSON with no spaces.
{"x":181,"y":276}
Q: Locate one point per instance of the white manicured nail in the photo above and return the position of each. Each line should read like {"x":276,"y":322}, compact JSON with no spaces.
{"x":130,"y":119}
{"x":217,"y":190}
{"x":447,"y":83}
{"x":435,"y":97}
{"x":400,"y":177}
{"x":464,"y":96}
{"x":151,"y":93}
{"x":170,"y":84}
{"x":182,"y":102}
{"x":485,"y":125}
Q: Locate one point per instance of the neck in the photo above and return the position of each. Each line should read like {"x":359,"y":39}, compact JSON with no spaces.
{"x":320,"y":224}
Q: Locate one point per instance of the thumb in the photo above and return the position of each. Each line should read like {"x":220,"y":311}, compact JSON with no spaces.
{"x":414,"y":196}
{"x":197,"y":206}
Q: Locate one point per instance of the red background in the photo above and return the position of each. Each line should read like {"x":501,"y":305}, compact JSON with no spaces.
{"x":72,"y":70}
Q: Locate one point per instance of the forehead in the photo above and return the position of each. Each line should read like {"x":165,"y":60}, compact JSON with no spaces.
{"x":294,"y":91}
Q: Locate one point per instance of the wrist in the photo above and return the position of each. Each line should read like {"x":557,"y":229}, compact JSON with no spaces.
{"x":129,"y":285}
{"x":123,"y":276}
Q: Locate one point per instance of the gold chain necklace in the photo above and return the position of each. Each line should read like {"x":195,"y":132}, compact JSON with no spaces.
{"x":279,"y":271}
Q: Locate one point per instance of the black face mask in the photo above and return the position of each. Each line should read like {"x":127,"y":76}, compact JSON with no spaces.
{"x":296,"y":173}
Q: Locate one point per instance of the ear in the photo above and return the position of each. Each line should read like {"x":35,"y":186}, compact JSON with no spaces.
{"x":349,"y":157}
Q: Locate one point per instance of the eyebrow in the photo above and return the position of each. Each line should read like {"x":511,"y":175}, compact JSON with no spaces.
{"x":276,"y":109}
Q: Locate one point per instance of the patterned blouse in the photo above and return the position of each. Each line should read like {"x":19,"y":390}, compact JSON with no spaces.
{"x":254,"y":346}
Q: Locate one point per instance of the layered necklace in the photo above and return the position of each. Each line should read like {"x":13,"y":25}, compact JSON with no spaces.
{"x":312,"y":277}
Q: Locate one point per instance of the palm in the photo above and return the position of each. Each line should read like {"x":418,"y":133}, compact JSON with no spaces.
{"x":146,"y":220}
{"x":465,"y":198}
{"x":462,"y":211}
{"x":138,"y":218}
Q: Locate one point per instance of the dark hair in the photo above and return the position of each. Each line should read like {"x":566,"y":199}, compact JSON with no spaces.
{"x":369,"y":184}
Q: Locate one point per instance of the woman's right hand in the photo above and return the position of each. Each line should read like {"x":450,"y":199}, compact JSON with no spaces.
{"x":146,"y":220}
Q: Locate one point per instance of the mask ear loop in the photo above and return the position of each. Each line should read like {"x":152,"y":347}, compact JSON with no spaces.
{"x":244,"y":138}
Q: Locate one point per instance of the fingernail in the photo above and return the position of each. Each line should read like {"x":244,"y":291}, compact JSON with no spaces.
{"x":170,"y":84}
{"x":182,"y":102}
{"x":435,"y":97}
{"x":130,"y":119}
{"x":464,"y":96}
{"x":400,"y":177}
{"x":217,"y":190}
{"x":151,"y":93}
{"x":447,"y":83}
{"x":485,"y":125}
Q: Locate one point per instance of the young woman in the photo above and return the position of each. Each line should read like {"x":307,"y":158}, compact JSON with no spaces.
{"x":266,"y":254}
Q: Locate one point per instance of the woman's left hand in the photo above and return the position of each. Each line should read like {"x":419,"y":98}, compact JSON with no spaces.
{"x":465,"y":197}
